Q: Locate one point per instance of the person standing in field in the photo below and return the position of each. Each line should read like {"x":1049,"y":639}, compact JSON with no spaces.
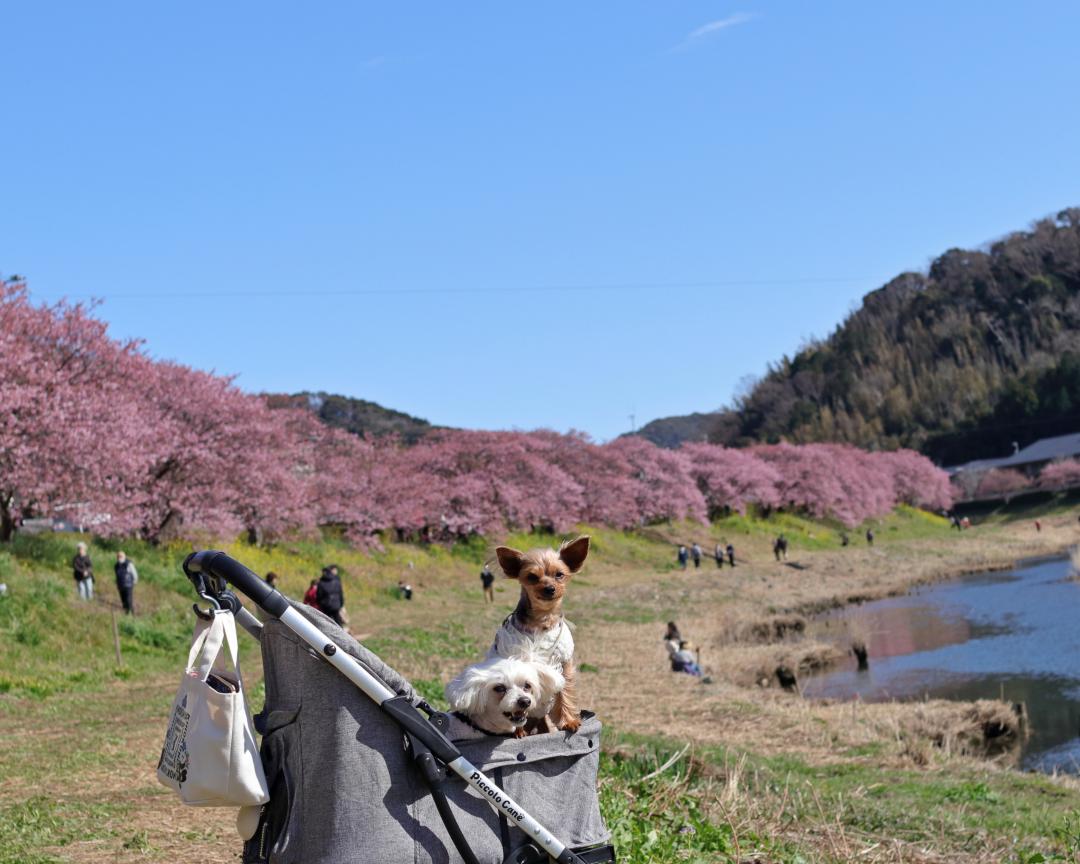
{"x":310,"y":594}
{"x":330,"y":596}
{"x":695,"y":552}
{"x":718,"y":553}
{"x":83,"y":568}
{"x":870,"y":536}
{"x":487,"y":579}
{"x":683,"y":556}
{"x":731,"y":554}
{"x":126,"y":577}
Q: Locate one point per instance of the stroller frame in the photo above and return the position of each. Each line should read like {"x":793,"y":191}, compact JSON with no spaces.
{"x":211,"y":572}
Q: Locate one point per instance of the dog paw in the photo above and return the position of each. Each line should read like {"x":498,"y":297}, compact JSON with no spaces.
{"x":520,"y":732}
{"x":570,"y":724}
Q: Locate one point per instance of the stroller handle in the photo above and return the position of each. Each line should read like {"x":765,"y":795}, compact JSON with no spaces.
{"x":219,"y":566}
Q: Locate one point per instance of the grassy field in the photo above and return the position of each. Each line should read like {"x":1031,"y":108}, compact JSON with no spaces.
{"x":727,"y":771}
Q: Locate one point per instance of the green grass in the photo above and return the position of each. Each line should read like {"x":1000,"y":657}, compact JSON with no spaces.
{"x":962,"y":808}
{"x":59,"y":669}
{"x":28,"y":827}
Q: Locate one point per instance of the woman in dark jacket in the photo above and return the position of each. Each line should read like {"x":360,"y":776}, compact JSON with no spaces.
{"x":329,"y":594}
{"x":83,"y":569}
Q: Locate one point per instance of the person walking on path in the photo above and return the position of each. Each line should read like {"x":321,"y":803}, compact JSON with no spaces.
{"x":487,"y":579}
{"x":83,"y":568}
{"x":718,"y":553}
{"x":126,"y":577}
{"x":310,"y":594}
{"x":780,"y":548}
{"x":731,"y":554}
{"x":870,"y":536}
{"x":329,"y":594}
{"x":683,"y":556}
{"x":695,"y":552}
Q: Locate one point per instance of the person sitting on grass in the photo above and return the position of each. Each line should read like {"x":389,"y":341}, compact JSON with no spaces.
{"x":684,"y":660}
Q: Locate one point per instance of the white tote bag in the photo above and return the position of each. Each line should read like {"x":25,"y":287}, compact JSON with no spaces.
{"x":209,"y":755}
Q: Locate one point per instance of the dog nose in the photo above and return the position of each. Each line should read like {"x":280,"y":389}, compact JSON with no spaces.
{"x":549,"y":591}
{"x":524,"y":702}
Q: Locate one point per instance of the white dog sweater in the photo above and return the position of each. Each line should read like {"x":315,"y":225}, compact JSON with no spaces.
{"x":554,"y":647}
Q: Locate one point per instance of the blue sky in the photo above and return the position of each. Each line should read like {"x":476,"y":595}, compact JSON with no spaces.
{"x":517,"y":215}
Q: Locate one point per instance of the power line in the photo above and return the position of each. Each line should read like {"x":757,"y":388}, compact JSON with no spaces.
{"x":520,"y":289}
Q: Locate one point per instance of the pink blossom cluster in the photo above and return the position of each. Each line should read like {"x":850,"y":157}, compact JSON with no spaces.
{"x":1001,"y":483}
{"x":94,"y":430}
{"x":1064,"y":474}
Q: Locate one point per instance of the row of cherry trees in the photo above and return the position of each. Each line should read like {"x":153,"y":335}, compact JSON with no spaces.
{"x":94,"y":430}
{"x":1005,"y":482}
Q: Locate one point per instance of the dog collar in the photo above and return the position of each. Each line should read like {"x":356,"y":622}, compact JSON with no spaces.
{"x":468,"y":722}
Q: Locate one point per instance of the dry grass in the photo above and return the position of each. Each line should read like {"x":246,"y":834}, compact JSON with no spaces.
{"x":747,"y":621}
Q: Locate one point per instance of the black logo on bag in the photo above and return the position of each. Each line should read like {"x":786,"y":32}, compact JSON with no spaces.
{"x":174,"y":755}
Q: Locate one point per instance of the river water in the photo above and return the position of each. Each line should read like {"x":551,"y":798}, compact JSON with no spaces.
{"x":1012,"y":633}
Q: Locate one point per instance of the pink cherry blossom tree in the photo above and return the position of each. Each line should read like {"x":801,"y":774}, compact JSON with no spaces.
{"x":63,"y":381}
{"x":1002,"y":483}
{"x":732,"y":479}
{"x":1064,"y":474}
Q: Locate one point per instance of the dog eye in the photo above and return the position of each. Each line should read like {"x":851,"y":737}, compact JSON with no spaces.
{"x":500,"y":688}
{"x":559,"y":576}
{"x":533,"y":578}
{"x":527,"y":686}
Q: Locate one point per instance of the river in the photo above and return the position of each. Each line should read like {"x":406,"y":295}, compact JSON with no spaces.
{"x":1012,"y":634}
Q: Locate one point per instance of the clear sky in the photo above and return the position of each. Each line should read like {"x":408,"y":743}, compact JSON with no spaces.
{"x":505,"y":215}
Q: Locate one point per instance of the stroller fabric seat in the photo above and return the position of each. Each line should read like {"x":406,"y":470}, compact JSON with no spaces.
{"x":344,"y":790}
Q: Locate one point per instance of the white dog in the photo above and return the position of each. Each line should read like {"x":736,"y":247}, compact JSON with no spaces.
{"x":501,"y":694}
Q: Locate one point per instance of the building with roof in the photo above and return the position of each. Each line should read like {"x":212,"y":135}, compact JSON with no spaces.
{"x":1027,"y":459}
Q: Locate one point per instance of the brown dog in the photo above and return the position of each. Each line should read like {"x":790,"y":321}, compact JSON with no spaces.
{"x":536,"y":629}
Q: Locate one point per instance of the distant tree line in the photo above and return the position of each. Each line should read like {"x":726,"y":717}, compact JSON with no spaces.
{"x":95,"y":431}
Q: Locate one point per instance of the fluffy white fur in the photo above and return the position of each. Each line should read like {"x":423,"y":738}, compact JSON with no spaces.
{"x":554,"y":647}
{"x":500,"y":694}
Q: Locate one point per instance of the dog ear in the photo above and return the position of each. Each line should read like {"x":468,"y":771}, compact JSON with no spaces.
{"x":550,"y":679}
{"x":466,"y":692}
{"x":509,"y":560}
{"x":573,"y":554}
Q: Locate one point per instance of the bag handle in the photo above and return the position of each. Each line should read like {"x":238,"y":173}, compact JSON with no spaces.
{"x":208,"y":644}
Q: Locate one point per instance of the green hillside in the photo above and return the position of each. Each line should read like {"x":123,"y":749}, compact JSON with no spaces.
{"x":358,"y":416}
{"x":959,"y":362}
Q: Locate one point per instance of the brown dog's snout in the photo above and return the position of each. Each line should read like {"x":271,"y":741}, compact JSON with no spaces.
{"x":524,"y":702}
{"x":549,"y":591}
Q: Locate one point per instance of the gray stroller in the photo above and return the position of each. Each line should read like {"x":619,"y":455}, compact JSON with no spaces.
{"x":359,"y":766}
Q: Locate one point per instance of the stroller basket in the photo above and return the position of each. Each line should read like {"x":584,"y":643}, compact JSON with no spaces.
{"x":358,"y":773}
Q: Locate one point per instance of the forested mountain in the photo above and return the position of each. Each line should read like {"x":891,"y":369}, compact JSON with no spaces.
{"x":981,"y":351}
{"x":355,"y":415}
